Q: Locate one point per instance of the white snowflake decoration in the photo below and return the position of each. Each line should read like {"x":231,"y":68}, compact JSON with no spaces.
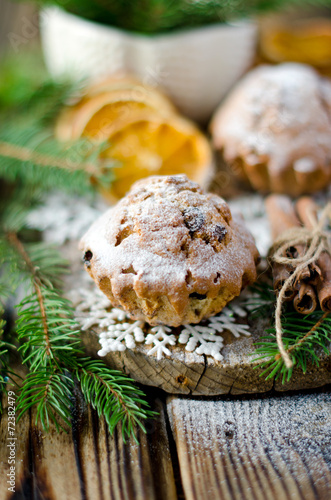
{"x":202,"y":336}
{"x":120,"y":336}
{"x":160,"y":338}
{"x":226,"y":321}
{"x":208,"y":338}
{"x":120,"y":333}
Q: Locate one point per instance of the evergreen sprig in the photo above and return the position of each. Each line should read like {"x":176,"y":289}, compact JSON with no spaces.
{"x":158,"y":16}
{"x":304,"y":337}
{"x":51,"y":348}
{"x":30,"y":153}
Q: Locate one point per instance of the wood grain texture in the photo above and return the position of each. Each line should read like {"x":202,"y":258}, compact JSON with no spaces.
{"x":86,"y":462}
{"x":191,"y":374}
{"x":263,"y":448}
{"x":22,"y":446}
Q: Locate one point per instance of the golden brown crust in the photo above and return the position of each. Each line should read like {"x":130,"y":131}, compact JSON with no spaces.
{"x":169,"y":253}
{"x":276,"y":127}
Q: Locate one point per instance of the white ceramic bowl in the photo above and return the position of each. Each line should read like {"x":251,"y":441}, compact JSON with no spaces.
{"x":195,"y":67}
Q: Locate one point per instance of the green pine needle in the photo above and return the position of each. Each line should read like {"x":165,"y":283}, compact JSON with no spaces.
{"x":50,"y":346}
{"x":33,"y":162}
{"x":112,"y":394}
{"x":304,"y":337}
{"x":32,"y":156}
{"x":158,"y":16}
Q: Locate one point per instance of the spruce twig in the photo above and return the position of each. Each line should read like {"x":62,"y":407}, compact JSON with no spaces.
{"x":308,"y":335}
{"x":51,"y":348}
{"x":304,"y":337}
{"x":24,"y":154}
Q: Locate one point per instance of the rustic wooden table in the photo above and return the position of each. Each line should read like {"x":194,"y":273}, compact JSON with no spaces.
{"x":249,"y":447}
{"x":257,"y":447}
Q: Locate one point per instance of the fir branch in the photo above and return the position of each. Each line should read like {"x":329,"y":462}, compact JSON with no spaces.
{"x":23,"y":154}
{"x":33,"y":161}
{"x":302,"y":336}
{"x":50,"y":392}
{"x":13,"y":239}
{"x":31,"y":154}
{"x":112,"y":395}
{"x":51,"y":348}
{"x":158,"y":16}
{"x":309,"y":334}
{"x":3,"y":355}
{"x":5,"y":349}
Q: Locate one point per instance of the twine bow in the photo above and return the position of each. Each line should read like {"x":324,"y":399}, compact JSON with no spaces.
{"x":316,"y":241}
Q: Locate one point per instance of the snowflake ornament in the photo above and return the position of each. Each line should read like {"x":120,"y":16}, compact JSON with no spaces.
{"x":121,"y":336}
{"x":63,"y":218}
{"x":226,"y":321}
{"x":119,"y":332}
{"x":202,"y":336}
{"x":160,"y":338}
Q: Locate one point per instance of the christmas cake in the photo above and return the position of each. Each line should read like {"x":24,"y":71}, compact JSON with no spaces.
{"x":168,"y":253}
{"x":274,"y":129}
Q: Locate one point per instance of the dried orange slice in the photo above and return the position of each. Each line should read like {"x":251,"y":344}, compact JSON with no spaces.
{"x":158,"y":147}
{"x":105,"y":102}
{"x":146,"y":136}
{"x":305,"y":41}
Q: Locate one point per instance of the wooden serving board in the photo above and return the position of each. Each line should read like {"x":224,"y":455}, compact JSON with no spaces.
{"x":185,"y":372}
{"x":188,"y":373}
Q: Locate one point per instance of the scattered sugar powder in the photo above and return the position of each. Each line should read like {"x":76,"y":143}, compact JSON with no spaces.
{"x":291,"y":433}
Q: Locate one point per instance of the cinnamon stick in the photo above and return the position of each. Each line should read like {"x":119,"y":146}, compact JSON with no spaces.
{"x":324,"y":283}
{"x":305,"y":301}
{"x":281,"y":214}
{"x":282,"y":217}
{"x":280,"y":273}
{"x":307,"y":210}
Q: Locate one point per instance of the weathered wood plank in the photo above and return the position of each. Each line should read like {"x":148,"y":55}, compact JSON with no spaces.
{"x":112,"y":469}
{"x":23,"y":484}
{"x":116,"y":470}
{"x":86,"y":462}
{"x":53,"y":465}
{"x":263,"y":448}
{"x":22,"y":441}
{"x":158,"y":443}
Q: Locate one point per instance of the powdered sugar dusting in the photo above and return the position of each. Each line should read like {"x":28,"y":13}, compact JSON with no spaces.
{"x":167,"y":242}
{"x":290,"y":436}
{"x":277,"y":122}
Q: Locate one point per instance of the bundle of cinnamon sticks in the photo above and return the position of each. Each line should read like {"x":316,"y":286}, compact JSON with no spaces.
{"x":312,"y":287}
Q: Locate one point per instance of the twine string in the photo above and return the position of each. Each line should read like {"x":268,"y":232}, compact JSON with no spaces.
{"x":316,"y":241}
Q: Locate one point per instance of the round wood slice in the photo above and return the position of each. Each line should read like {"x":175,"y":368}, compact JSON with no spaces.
{"x":187,"y":372}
